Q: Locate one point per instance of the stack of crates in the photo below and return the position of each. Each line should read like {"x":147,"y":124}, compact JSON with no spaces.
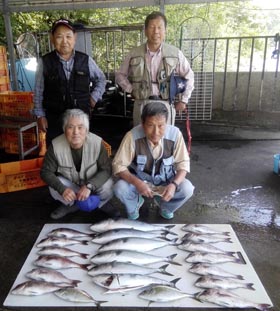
{"x":4,"y":72}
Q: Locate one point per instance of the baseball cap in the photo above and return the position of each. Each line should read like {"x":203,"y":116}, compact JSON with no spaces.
{"x":90,"y":204}
{"x":64,"y":22}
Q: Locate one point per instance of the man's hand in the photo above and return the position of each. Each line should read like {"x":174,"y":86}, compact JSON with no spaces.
{"x":42,"y":124}
{"x":180,"y":106}
{"x":168,"y":192}
{"x":92,"y":102}
{"x":83,"y":193}
{"x":144,"y":189}
{"x":69,"y":195}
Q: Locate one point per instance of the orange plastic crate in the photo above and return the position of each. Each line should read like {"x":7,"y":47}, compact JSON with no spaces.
{"x":16,"y":97}
{"x":108,"y":148}
{"x":21,"y":175}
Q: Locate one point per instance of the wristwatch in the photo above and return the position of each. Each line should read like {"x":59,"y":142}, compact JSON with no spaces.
{"x":89,"y":186}
{"x":175,"y":184}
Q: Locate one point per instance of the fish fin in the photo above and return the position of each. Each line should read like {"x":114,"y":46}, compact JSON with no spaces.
{"x":240,"y":277}
{"x":228,"y":240}
{"x":85,"y":266}
{"x":84,"y":256}
{"x":250,"y":286}
{"x":170,"y":260}
{"x":226,"y":233}
{"x":175,"y":281}
{"x":162,"y":270}
{"x":84,"y":242}
{"x":75,"y":283}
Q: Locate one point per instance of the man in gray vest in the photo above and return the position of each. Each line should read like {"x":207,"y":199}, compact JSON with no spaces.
{"x":152,"y":161}
{"x":77,"y":168}
{"x":146,"y":70}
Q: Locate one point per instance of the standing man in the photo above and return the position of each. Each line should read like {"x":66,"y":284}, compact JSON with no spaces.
{"x":77,"y":168}
{"x":146,"y":70}
{"x":152,"y":161}
{"x":65,"y":79}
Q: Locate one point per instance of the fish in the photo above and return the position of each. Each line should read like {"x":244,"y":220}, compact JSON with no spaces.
{"x":61,"y":251}
{"x":206,"y":269}
{"x":57,"y":262}
{"x":107,"y":236}
{"x":163,"y":293}
{"x":51,"y":276}
{"x":123,"y":223}
{"x":136,"y":244}
{"x":133,"y":257}
{"x":203,"y":229}
{"x":205,"y":238}
{"x":228,"y":299}
{"x":35,"y":288}
{"x":223,"y":283}
{"x":202,"y":247}
{"x":60,"y":242}
{"x":68,"y":233}
{"x":121,"y":268}
{"x":126,"y":282}
{"x":197,"y":257}
{"x":76,"y":295}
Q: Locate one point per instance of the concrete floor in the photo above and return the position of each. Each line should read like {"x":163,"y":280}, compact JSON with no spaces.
{"x":235,"y":184}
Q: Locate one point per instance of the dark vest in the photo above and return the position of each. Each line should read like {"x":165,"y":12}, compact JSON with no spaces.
{"x":61,"y":94}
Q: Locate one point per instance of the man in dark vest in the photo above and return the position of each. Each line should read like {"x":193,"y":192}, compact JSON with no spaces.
{"x":65,"y":79}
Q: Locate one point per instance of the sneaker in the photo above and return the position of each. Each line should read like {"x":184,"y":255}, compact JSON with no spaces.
{"x":135,"y":214}
{"x":63,"y":210}
{"x":167,"y":215}
{"x":110,"y":210}
{"x":157,"y":200}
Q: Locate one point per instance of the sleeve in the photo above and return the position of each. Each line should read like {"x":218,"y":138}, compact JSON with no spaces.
{"x":104,"y":171}
{"x":49,"y":169}
{"x":39,"y":90}
{"x":121,"y":75}
{"x":181,"y":155}
{"x":124,"y":155}
{"x":186,"y":72}
{"x":98,"y":79}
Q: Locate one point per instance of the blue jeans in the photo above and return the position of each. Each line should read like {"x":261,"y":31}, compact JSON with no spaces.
{"x":128,"y":195}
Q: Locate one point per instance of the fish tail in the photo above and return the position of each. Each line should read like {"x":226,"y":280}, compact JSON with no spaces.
{"x":99,"y":302}
{"x":226,"y":233}
{"x":85,"y":266}
{"x":75,"y":283}
{"x":84,"y":256}
{"x":84,"y":242}
{"x":228,"y":240}
{"x":263,"y":306}
{"x":162,"y":270}
{"x":230,"y":254}
{"x":250,"y":286}
{"x":170,"y":260}
{"x":173,"y":282}
{"x":240,"y":277}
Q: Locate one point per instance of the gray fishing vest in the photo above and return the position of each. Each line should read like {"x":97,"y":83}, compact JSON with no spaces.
{"x":139,"y":75}
{"x":66,"y":166}
{"x":159,"y":171}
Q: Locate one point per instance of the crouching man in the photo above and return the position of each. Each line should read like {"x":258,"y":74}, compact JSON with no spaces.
{"x":152,"y":161}
{"x":76,"y":166}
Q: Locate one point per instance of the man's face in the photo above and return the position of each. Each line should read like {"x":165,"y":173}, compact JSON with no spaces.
{"x":64,"y":40}
{"x":75,"y":132}
{"x":155,"y":32}
{"x":154,"y":128}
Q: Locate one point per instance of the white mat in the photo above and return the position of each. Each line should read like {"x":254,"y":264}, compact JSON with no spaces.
{"x":130,"y":299}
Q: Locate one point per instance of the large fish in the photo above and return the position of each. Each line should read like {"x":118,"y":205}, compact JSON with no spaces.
{"x":133,"y":257}
{"x":57,"y":262}
{"x":209,"y":269}
{"x":50,"y":275}
{"x":229,"y":299}
{"x":121,"y":268}
{"x":203,"y":229}
{"x":223,"y":283}
{"x":136,"y":244}
{"x":68,"y":233}
{"x":35,"y":288}
{"x":197,"y":257}
{"x":125,"y":282}
{"x":60,"y":242}
{"x":61,"y":251}
{"x":202,"y":247}
{"x":76,"y":295}
{"x":123,"y":223}
{"x":163,"y":293}
{"x":107,"y":236}
{"x":205,"y":238}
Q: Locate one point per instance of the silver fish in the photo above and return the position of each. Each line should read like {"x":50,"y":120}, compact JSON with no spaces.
{"x":202,"y":247}
{"x":205,"y":238}
{"x":202,"y":229}
{"x":229,"y":300}
{"x":136,"y":244}
{"x":68,"y":233}
{"x":133,"y":257}
{"x":51,"y":276}
{"x":123,"y":223}
{"x":163,"y":293}
{"x":57,"y":262}
{"x":125,"y":282}
{"x":35,"y":288}
{"x":223,"y":283}
{"x":197,"y":257}
{"x":121,"y":268}
{"x":206,"y":269}
{"x":61,"y":251}
{"x":60,"y":242}
{"x":105,"y":237}
{"x":76,"y":295}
